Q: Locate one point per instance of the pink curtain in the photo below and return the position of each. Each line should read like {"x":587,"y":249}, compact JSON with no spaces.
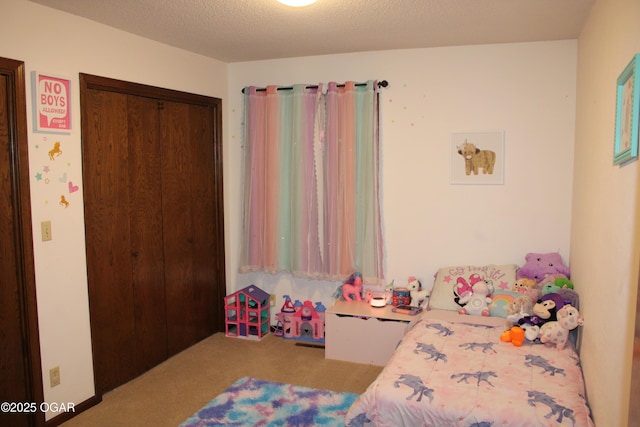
{"x":353,"y":227}
{"x":311,"y":203}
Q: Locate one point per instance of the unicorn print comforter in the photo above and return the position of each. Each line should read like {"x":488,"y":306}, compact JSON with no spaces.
{"x":453,"y":370}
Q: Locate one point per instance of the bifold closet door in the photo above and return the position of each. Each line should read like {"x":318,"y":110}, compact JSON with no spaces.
{"x":123,"y":225}
{"x":105,"y":170}
{"x":146,"y":231}
{"x":189,"y":215}
{"x":152,"y":170}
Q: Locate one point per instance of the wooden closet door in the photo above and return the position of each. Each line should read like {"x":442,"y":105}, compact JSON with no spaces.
{"x":146,"y":231}
{"x":189,"y":217}
{"x":105,"y":170}
{"x":124,"y":236}
{"x":152,"y":169}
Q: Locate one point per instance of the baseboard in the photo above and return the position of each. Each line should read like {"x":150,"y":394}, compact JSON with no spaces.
{"x":79,"y":408}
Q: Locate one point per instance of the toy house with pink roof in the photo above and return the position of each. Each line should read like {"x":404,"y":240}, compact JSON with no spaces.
{"x":302,"y":321}
{"x":247,"y":313}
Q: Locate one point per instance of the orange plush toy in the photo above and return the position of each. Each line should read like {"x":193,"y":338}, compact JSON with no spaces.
{"x":515,"y":336}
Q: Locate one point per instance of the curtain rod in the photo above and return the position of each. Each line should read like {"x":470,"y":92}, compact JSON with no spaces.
{"x":381,"y":83}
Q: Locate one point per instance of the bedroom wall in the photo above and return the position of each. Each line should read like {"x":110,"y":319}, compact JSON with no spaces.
{"x":526,"y":90}
{"x":57,"y":43}
{"x":605,"y":232}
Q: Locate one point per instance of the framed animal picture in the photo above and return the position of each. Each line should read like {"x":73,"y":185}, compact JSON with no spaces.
{"x":625,"y":146}
{"x":477,"y":158}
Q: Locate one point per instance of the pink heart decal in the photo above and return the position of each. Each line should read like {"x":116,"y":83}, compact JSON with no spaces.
{"x":72,"y":188}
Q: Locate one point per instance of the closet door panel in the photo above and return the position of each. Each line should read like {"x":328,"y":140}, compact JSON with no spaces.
{"x":188,"y":222}
{"x":105,"y":155}
{"x":177,"y":188}
{"x":146,"y":232}
{"x":206,"y":215}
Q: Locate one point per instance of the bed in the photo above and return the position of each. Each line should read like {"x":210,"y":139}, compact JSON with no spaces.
{"x":453,"y":370}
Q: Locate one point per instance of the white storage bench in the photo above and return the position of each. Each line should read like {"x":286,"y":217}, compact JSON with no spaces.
{"x":357,"y":332}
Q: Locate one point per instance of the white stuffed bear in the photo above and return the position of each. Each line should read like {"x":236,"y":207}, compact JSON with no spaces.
{"x":557,"y":332}
{"x":477,"y":302}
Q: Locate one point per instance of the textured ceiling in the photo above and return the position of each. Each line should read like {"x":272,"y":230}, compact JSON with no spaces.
{"x":247,"y":30}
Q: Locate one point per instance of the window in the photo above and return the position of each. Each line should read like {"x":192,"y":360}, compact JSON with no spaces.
{"x":311,"y":186}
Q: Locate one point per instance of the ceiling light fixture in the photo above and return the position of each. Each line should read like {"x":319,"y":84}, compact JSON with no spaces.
{"x":297,"y":3}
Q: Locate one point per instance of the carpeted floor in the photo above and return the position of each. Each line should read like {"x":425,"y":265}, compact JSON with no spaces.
{"x":172,"y":392}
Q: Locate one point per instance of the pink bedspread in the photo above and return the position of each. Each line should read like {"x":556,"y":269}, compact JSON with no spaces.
{"x":448,"y":371}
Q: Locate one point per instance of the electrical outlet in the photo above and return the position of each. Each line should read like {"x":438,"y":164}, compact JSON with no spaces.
{"x":54,"y":376}
{"x":45,"y":228}
{"x":272,"y":300}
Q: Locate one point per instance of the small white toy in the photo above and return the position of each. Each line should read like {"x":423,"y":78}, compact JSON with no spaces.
{"x":418,"y":296}
{"x":477,"y":302}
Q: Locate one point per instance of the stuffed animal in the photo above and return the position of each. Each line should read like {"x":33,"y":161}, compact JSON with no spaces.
{"x":517,"y":309}
{"x":558,"y":283}
{"x":477,"y":303}
{"x":463,"y":288}
{"x":538,"y":265}
{"x":563,"y":282}
{"x":549,"y":288}
{"x":550,"y":278}
{"x":515,"y":336}
{"x":533,"y":294}
{"x":351,"y":289}
{"x":418,"y":295}
{"x":543,"y":311}
{"x":557,"y":332}
{"x":522,"y":285}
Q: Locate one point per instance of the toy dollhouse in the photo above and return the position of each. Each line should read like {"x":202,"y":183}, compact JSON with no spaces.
{"x":247,"y":313}
{"x":301,"y":321}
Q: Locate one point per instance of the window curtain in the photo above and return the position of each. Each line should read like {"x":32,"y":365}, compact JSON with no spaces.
{"x":311,"y":185}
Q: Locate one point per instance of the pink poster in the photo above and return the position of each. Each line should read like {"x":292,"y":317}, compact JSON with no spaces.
{"x":52,"y":103}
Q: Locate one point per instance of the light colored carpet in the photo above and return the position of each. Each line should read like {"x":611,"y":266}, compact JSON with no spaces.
{"x":173,"y":391}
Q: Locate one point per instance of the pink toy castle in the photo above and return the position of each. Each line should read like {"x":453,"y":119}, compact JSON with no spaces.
{"x":247,"y":313}
{"x":301,"y":321}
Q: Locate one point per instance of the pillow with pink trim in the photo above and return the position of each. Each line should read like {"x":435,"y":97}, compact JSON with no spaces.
{"x":452,"y":282}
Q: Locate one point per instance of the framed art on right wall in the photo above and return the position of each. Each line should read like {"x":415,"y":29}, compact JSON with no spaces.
{"x":627,"y":113}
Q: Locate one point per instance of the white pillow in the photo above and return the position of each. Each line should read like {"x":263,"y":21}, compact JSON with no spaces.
{"x":447,"y":278}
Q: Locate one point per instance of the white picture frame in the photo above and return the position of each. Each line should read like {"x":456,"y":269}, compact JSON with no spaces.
{"x":477,"y":158}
